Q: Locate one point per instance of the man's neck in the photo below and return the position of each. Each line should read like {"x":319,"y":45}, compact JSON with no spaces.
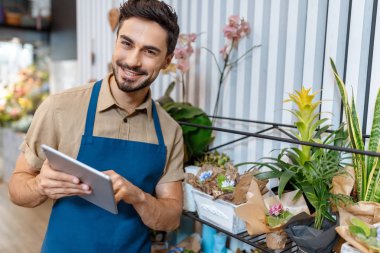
{"x":127,"y":100}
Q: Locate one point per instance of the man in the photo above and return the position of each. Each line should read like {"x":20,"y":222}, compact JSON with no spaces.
{"x":125,"y":134}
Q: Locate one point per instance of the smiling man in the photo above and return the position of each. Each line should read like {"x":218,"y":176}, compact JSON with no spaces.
{"x":114,"y":126}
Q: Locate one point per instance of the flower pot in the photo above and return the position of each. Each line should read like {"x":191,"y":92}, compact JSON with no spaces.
{"x":188,"y":198}
{"x":308,"y":239}
{"x":218,"y":212}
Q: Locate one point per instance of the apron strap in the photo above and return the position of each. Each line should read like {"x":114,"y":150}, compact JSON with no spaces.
{"x":157,"y":124}
{"x":91,"y":111}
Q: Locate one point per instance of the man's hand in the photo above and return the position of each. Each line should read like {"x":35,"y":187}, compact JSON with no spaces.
{"x":159,"y":212}
{"x":55,"y":184}
{"x":125,"y":190}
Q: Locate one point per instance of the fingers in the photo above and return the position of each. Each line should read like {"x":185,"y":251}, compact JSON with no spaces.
{"x":123,"y":189}
{"x":55,"y":184}
{"x":50,"y":173}
{"x":57,"y":193}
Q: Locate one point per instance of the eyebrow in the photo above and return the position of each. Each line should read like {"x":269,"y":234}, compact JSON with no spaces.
{"x":149,"y":47}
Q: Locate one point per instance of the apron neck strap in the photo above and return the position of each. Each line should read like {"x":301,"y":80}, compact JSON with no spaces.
{"x":91,"y":112}
{"x":157,"y":124}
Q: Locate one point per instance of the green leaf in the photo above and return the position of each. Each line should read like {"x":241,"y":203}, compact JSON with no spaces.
{"x":267,"y":175}
{"x":355,"y":230}
{"x":284,"y":179}
{"x":374,"y":145}
{"x":361,"y":224}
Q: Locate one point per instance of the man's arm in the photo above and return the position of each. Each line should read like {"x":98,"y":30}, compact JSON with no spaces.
{"x":160,"y":213}
{"x":29,"y":187}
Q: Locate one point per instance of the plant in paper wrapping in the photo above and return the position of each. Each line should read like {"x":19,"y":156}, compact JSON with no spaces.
{"x":358,"y":233}
{"x":268,"y":213}
{"x":277,"y":216}
{"x":365,"y":234}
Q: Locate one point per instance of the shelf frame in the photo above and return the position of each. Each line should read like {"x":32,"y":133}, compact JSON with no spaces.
{"x":254,"y":241}
{"x":259,"y":241}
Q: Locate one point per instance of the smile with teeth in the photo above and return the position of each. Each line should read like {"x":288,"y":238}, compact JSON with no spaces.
{"x":130,"y":75}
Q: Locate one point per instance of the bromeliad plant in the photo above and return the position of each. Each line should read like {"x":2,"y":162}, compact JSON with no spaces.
{"x":367,"y":168}
{"x":306,"y":168}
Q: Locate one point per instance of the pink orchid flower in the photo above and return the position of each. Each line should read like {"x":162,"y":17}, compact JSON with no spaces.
{"x":276,"y":209}
{"x":234,"y":20}
{"x":183,"y":65}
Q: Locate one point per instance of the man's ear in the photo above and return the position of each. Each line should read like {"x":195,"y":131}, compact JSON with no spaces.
{"x":168,"y":60}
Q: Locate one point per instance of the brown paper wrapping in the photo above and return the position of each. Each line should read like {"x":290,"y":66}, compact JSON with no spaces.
{"x":369,"y":212}
{"x":345,"y":217}
{"x":344,"y":183}
{"x":253,"y":212}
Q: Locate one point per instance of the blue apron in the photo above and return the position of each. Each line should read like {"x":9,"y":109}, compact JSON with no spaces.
{"x":79,"y":226}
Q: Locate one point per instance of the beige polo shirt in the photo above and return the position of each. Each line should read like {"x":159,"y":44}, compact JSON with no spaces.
{"x":60,"y":120}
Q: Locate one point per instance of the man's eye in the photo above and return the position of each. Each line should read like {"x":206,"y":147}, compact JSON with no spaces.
{"x":127,"y":43}
{"x":151,"y":52}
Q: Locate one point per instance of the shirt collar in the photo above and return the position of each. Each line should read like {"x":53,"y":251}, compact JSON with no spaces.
{"x":107,"y":101}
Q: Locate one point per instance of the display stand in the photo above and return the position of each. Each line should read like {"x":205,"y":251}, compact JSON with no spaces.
{"x":259,"y":241}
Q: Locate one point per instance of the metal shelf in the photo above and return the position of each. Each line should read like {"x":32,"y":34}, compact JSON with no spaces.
{"x":279,"y":127}
{"x":259,"y":241}
{"x":255,"y":241}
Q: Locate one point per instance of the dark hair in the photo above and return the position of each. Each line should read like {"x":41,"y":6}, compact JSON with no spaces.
{"x":156,"y":11}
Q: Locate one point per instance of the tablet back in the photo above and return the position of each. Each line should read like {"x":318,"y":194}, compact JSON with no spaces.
{"x":102,"y":192}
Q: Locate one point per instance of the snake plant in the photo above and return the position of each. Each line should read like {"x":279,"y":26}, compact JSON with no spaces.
{"x":366,"y":167}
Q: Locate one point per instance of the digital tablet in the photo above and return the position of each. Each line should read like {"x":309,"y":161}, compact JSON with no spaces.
{"x":102,"y":192}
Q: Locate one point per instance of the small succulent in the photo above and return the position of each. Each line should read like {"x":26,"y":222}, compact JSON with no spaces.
{"x":366,"y":234}
{"x":214,"y":158}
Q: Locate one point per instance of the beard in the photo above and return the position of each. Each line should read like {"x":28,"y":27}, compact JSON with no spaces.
{"x":129,"y":85}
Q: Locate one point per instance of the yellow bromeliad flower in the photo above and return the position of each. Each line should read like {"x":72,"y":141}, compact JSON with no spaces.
{"x":307,"y":117}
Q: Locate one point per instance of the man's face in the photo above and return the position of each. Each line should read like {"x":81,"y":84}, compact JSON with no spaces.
{"x":140,"y":53}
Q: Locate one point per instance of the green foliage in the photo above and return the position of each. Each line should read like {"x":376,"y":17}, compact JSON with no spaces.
{"x":196,"y":139}
{"x":367,"y":169}
{"x":309,"y":169}
{"x":275,"y":221}
{"x":213,"y":158}
{"x":365,"y":233}
{"x":223,"y":181}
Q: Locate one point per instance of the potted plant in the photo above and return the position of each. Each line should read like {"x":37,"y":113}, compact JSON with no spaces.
{"x":365,"y":188}
{"x":219,"y":189}
{"x":367,"y":169}
{"x":311,"y":171}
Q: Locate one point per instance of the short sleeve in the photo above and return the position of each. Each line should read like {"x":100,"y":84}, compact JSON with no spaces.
{"x":41,"y":131}
{"x":174,"y":166}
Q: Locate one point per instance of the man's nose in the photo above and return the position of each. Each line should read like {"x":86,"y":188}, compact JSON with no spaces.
{"x":134,"y":58}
